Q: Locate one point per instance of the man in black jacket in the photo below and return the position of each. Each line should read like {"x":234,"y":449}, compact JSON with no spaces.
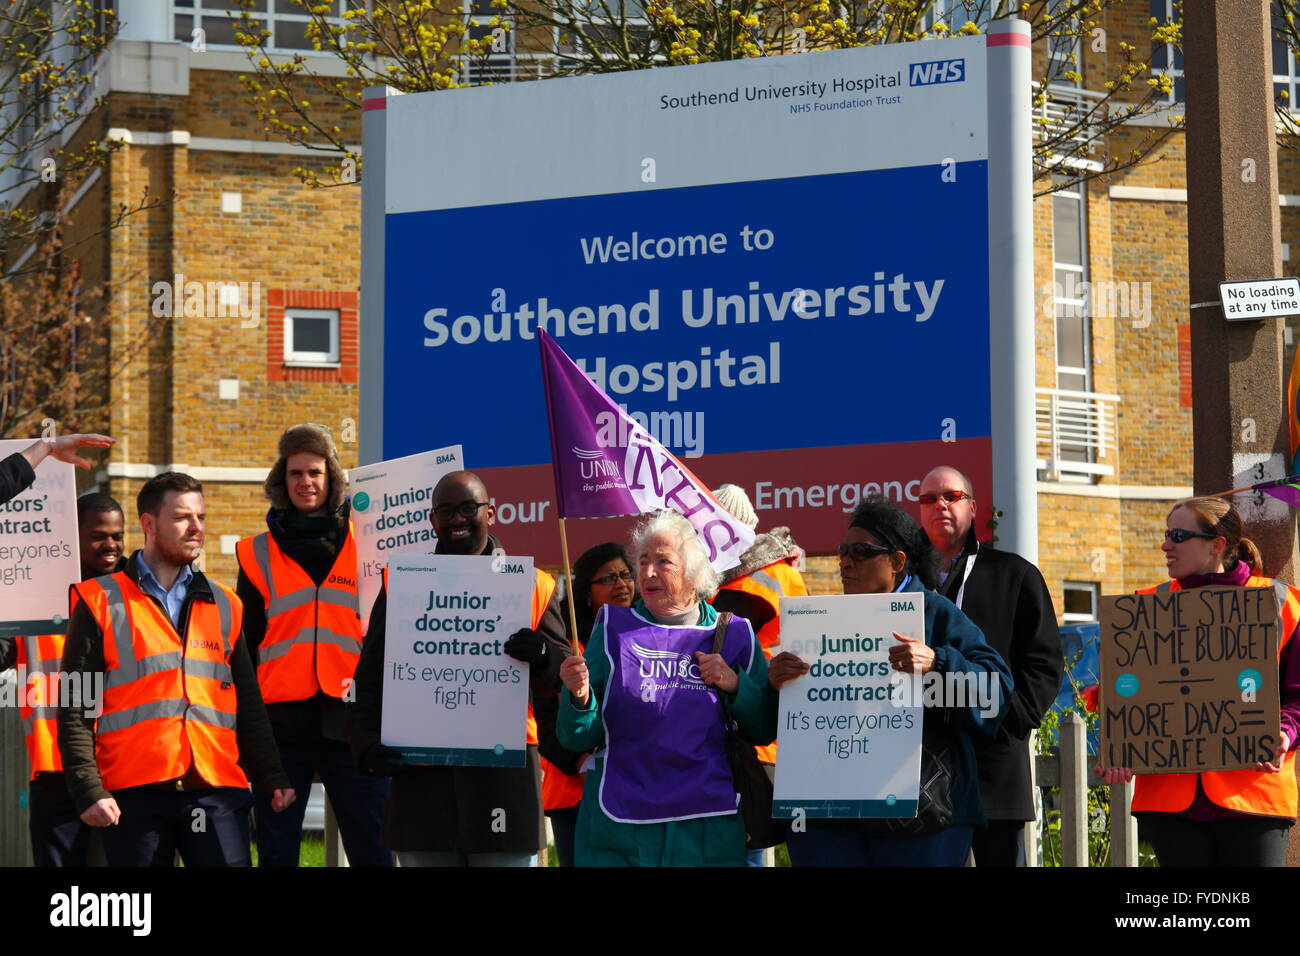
{"x":444,"y":816}
{"x":1007,"y":599}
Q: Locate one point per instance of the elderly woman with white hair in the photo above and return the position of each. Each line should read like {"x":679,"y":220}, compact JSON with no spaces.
{"x":648,"y":692}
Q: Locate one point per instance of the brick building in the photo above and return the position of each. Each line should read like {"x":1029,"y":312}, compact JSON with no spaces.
{"x":268,"y":336}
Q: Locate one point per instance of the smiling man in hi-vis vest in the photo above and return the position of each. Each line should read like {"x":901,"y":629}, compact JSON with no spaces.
{"x":298,"y":582}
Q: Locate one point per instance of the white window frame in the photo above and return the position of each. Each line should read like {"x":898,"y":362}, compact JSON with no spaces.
{"x":1093,"y":590}
{"x":266,"y":17}
{"x":1074,"y":304}
{"x":941,"y":11}
{"x":1289,"y":77}
{"x":1171,"y":71}
{"x":328,"y":359}
{"x":516,"y":65}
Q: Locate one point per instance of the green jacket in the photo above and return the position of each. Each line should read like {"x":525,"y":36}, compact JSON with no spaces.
{"x":706,"y":841}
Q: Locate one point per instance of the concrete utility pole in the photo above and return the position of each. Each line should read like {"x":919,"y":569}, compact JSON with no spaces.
{"x":1239,"y":422}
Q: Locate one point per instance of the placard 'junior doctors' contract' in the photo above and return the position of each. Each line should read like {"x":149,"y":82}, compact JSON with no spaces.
{"x":452,"y":697}
{"x":845,"y":750}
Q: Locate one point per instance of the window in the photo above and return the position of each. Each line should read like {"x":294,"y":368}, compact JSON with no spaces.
{"x":1285,"y":80}
{"x":954,"y":14}
{"x":606,"y":25}
{"x":1167,"y":59}
{"x":502,"y":63}
{"x":311,"y":336}
{"x":220,"y":21}
{"x":1080,"y":605}
{"x":1070,"y":273}
{"x":1064,"y":48}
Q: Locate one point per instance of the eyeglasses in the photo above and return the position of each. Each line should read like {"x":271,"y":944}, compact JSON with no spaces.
{"x":625,"y":576}
{"x":952,"y":497}
{"x":467,"y":510}
{"x":1179,"y":535}
{"x":860,"y":551}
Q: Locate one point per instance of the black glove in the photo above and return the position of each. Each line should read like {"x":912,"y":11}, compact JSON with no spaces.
{"x":528,"y":646}
{"x":379,"y":760}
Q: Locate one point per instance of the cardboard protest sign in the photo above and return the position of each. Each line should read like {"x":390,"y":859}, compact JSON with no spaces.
{"x":849,"y":746}
{"x":39,"y":557}
{"x":452,"y":697}
{"x":390,"y":513}
{"x":1189,"y":680}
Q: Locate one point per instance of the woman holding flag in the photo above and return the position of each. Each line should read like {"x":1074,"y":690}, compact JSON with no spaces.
{"x":601,"y":575}
{"x":647,"y":691}
{"x":1226,"y":817}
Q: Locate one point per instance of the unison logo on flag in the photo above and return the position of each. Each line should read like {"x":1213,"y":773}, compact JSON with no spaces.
{"x":607,"y":464}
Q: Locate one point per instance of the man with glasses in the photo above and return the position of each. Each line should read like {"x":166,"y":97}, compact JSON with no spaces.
{"x":1007,"y":599}
{"x":462,"y":816}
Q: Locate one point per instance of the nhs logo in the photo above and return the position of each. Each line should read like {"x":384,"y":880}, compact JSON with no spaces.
{"x":940,"y":71}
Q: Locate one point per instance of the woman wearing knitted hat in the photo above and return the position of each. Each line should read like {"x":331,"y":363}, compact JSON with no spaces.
{"x":297,"y":581}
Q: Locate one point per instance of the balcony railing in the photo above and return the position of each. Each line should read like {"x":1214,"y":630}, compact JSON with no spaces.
{"x":1075,"y":434}
{"x":1065,"y":108}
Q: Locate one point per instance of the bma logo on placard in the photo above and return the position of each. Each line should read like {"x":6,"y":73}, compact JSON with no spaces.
{"x":939,"y":71}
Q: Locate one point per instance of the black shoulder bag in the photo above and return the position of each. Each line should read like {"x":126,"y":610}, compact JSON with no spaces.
{"x":750,"y":777}
{"x":934,"y":810}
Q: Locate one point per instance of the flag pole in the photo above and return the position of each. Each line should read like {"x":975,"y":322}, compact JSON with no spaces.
{"x":1290,"y":479}
{"x":568,"y":590}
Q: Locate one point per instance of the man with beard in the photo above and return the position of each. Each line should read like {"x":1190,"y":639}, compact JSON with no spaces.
{"x":1007,"y":599}
{"x":59,"y":838}
{"x":449,"y":816}
{"x":180,"y":712}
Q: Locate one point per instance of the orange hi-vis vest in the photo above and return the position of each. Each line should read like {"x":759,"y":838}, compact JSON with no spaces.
{"x":559,"y":789}
{"x":40,"y":658}
{"x":313,"y":634}
{"x":543,"y":588}
{"x":1246,"y":791}
{"x":771,"y":583}
{"x":169,"y":702}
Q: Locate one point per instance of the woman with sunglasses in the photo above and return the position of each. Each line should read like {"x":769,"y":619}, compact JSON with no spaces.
{"x":1227,"y":817}
{"x":602,"y":575}
{"x":884,"y":552}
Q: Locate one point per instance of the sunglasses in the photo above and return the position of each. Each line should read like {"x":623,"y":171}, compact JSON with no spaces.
{"x":468,"y":510}
{"x":952,"y":497}
{"x":860,"y":551}
{"x":625,"y":576}
{"x":1179,"y":535}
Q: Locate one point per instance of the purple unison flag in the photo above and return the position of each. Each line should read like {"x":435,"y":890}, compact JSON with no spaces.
{"x":606,"y":464}
{"x":1290,"y":493}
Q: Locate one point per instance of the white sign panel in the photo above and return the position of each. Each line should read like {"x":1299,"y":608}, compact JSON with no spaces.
{"x":452,"y":697}
{"x":39,"y":556}
{"x":390,"y":512}
{"x":846,"y":749}
{"x":1259,"y":299}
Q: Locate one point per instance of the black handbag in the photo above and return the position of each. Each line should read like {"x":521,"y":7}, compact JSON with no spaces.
{"x":750,"y":777}
{"x":934,"y":811}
